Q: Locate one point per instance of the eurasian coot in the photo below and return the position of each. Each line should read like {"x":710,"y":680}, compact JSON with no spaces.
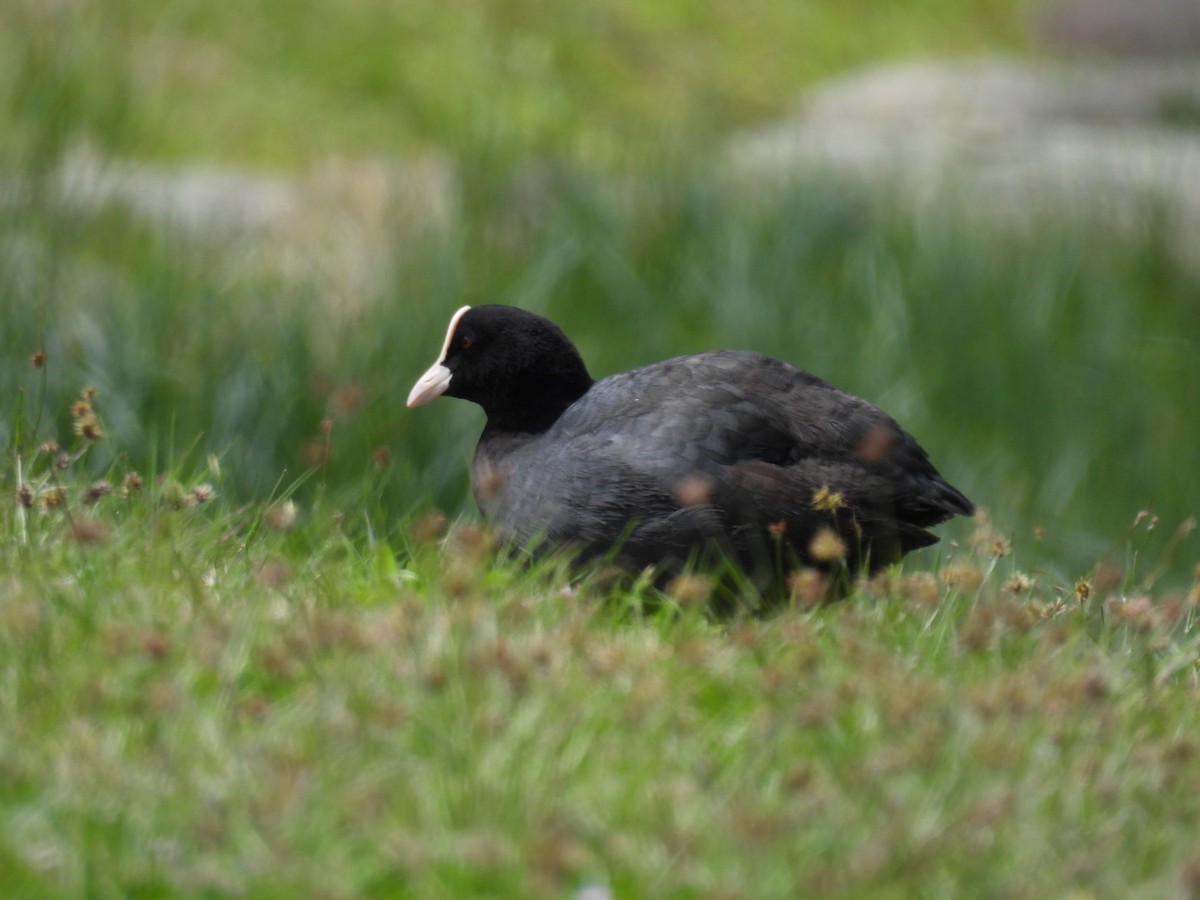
{"x":725,"y":453}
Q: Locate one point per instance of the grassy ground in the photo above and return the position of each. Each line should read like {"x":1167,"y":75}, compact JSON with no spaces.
{"x":239,"y":656}
{"x":1050,"y":374}
{"x":201,"y":700}
{"x":271,"y":83}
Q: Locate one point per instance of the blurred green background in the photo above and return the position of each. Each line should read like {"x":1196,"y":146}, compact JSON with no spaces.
{"x":570,"y":158}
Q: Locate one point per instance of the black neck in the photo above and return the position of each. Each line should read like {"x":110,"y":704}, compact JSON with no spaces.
{"x":534,"y":403}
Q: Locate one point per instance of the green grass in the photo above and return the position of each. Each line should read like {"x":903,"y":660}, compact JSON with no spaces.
{"x":199,"y":698}
{"x":1050,"y":374}
{"x":259,"y":667}
{"x":196,"y":702}
{"x":269,"y":83}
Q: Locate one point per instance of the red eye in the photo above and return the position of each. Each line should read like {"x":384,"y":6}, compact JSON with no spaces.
{"x":465,"y":343}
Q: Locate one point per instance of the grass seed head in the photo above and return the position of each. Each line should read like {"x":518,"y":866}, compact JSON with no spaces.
{"x":174,"y":495}
{"x":1083,"y":590}
{"x":315,"y":451}
{"x":347,"y":400}
{"x":38,"y":359}
{"x":876,"y":444}
{"x":986,"y":540}
{"x":430,"y":527}
{"x":131,"y":484}
{"x":274,"y":573}
{"x":25,"y":496}
{"x":282,"y":516}
{"x":963,"y":576}
{"x":827,"y":547}
{"x":470,"y":543}
{"x":156,"y":644}
{"x":690,"y":589}
{"x":1107,"y":577}
{"x":52,"y":497}
{"x":1019,"y":583}
{"x":827,"y":500}
{"x":90,"y":531}
{"x":694,"y":490}
{"x":921,"y":588}
{"x":489,"y":480}
{"x":88,"y":427}
{"x":809,"y":588}
{"x":1137,"y":612}
{"x":96,"y":490}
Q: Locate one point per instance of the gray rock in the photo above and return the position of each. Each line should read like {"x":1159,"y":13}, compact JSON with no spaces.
{"x":1147,"y":28}
{"x":1006,"y":138}
{"x":199,"y":200}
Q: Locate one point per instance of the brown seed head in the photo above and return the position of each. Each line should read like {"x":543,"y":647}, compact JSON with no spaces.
{"x":470,"y":542}
{"x":88,"y":427}
{"x":921,"y":588}
{"x":430,"y":527}
{"x":876,"y":444}
{"x":87,"y":530}
{"x":156,"y":644}
{"x":963,"y":576}
{"x":1083,"y":590}
{"x":1019,"y":583}
{"x":131,"y":484}
{"x":809,"y":588}
{"x":96,"y":490}
{"x":1137,"y":612}
{"x":1107,"y":576}
{"x":25,"y":496}
{"x":274,"y":573}
{"x":315,"y":451}
{"x":346,"y":400}
{"x":38,"y":359}
{"x":693,"y":490}
{"x":282,"y":516}
{"x":690,"y":590}
{"x":490,"y":481}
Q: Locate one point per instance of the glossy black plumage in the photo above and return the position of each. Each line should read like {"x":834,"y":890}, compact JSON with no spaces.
{"x":727,"y":452}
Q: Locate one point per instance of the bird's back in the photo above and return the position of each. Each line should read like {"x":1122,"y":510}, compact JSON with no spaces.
{"x":727,"y":450}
